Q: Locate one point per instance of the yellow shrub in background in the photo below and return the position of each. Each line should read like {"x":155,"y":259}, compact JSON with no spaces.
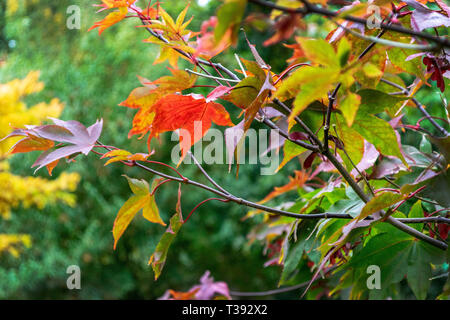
{"x":15,"y":190}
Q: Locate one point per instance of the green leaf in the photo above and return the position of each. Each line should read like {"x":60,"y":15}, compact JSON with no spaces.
{"x":343,"y":51}
{"x":397,"y":255}
{"x":379,"y":133}
{"x":311,"y":91}
{"x":374,"y":101}
{"x":139,"y":187}
{"x":255,"y":69}
{"x":419,"y":272}
{"x":295,"y":254}
{"x":150,"y":210}
{"x":444,"y":146}
{"x":379,"y":202}
{"x":353,"y":143}
{"x":158,"y":258}
{"x":386,"y":251}
{"x":348,"y":206}
{"x":290,"y":87}
{"x":371,"y":70}
{"x":438,"y":189}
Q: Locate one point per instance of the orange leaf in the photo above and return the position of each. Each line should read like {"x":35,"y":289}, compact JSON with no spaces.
{"x":190,"y":295}
{"x":52,"y":166}
{"x":118,"y":3}
{"x":139,"y":97}
{"x":31,"y":143}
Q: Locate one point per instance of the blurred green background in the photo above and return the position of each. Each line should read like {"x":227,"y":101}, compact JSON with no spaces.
{"x":92,"y":75}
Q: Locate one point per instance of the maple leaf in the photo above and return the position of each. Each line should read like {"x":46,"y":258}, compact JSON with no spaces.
{"x":75,"y":137}
{"x":110,"y":20}
{"x":439,"y":67}
{"x":174,"y":30}
{"x":117,"y":3}
{"x":158,"y":258}
{"x":31,"y":143}
{"x":176,"y":34}
{"x":192,"y":113}
{"x":151,"y":92}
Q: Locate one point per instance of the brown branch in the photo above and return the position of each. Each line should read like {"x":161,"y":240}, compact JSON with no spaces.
{"x":313,"y":9}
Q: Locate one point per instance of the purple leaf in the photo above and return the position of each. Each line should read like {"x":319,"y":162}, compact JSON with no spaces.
{"x":256,"y":55}
{"x":55,"y":133}
{"x":73,"y":133}
{"x":370,"y":156}
{"x":48,"y":156}
{"x":76,"y":128}
{"x":95,"y":131}
{"x":270,"y":112}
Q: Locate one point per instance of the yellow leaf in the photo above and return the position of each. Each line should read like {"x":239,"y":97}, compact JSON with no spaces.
{"x":126,"y":215}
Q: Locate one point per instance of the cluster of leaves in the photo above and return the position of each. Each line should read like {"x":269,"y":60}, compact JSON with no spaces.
{"x":343,"y":83}
{"x":26,"y":191}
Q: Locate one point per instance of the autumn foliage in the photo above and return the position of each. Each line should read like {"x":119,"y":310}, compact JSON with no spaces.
{"x":365,"y":195}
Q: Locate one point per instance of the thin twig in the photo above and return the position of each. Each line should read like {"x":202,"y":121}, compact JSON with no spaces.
{"x":210,"y":76}
{"x":444,"y":132}
{"x":207,"y":176}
